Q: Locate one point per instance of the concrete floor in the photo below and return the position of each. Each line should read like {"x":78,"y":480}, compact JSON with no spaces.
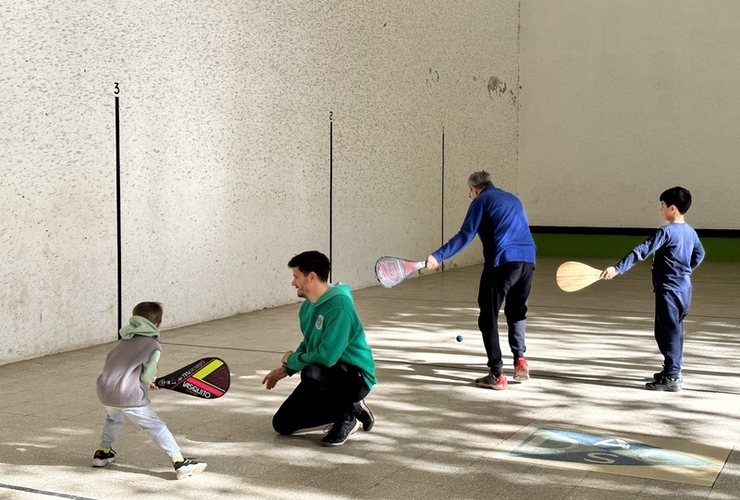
{"x":436,"y":435}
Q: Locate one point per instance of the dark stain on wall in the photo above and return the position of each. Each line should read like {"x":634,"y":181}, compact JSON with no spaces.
{"x":432,"y":77}
{"x":497,"y":87}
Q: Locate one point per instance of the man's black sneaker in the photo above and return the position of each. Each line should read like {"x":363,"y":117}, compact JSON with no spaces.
{"x":665,"y":384}
{"x":186,"y":468}
{"x":364,"y":415}
{"x":102,"y":458}
{"x":340,"y":431}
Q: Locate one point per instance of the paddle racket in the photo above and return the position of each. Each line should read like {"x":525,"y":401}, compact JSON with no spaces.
{"x":207,"y":378}
{"x":390,"y":271}
{"x":573,"y":276}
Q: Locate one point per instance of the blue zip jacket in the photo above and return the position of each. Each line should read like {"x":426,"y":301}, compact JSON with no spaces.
{"x":678,"y":252}
{"x":498,"y":218}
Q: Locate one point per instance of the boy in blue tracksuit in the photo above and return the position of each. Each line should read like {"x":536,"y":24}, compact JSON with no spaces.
{"x":678,"y":252}
{"x":498,"y":218}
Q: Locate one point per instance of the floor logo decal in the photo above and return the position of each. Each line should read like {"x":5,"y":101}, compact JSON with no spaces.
{"x":625,"y":454}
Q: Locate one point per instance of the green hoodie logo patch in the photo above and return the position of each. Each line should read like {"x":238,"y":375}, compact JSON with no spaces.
{"x":319,"y":322}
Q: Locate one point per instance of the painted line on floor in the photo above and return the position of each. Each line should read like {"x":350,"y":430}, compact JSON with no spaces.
{"x":648,"y":457}
{"x":43,"y":492}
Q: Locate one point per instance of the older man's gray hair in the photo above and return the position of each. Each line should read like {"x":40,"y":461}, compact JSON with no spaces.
{"x":479,"y":180}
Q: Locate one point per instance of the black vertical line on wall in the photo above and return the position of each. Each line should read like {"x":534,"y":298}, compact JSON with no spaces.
{"x":331,"y":191}
{"x":442,"y":235}
{"x":118,"y":212}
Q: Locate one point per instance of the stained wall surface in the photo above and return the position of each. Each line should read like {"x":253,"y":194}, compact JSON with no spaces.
{"x":246,"y":132}
{"x":621,"y":100}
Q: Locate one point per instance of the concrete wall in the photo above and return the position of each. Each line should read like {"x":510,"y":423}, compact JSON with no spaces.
{"x":225,"y":110}
{"x":622,"y":99}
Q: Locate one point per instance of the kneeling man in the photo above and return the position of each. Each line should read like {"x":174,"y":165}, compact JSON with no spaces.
{"x":335,"y":363}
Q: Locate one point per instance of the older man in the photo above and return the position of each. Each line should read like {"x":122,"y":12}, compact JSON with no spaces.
{"x":509,"y":256}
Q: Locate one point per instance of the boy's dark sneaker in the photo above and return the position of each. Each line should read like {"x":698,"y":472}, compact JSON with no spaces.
{"x":102,"y":458}
{"x":186,"y":468}
{"x":665,"y":384}
{"x":521,"y":370}
{"x":364,"y":415}
{"x":657,"y":376}
{"x":340,"y":431}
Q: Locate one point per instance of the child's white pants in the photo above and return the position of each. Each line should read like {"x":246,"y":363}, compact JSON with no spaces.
{"x":145,"y":419}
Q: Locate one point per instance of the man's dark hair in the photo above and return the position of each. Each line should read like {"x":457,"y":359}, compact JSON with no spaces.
{"x":678,"y":197}
{"x":149,"y":310}
{"x":312,"y":261}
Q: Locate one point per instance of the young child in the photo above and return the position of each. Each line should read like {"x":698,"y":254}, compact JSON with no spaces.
{"x":678,"y":252}
{"x":128,"y":373}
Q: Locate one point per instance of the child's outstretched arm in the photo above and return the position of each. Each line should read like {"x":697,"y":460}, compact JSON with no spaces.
{"x":638,"y":254}
{"x":608,"y":273}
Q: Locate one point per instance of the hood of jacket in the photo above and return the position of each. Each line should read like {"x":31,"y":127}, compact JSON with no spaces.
{"x":138,"y":325}
{"x":333,"y":291}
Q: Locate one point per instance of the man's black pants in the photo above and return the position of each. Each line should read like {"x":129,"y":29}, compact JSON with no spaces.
{"x":324,"y":396}
{"x":510,"y":282}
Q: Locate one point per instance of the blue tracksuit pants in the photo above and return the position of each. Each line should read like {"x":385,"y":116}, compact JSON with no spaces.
{"x":671,"y":307}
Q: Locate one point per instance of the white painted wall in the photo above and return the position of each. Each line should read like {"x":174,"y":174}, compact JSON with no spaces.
{"x":623,"y":99}
{"x":224,"y":116}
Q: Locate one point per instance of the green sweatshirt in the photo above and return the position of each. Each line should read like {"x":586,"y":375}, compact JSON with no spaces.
{"x":332,"y":332}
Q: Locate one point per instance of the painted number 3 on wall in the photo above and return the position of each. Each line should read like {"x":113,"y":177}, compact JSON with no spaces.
{"x":116,"y":89}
